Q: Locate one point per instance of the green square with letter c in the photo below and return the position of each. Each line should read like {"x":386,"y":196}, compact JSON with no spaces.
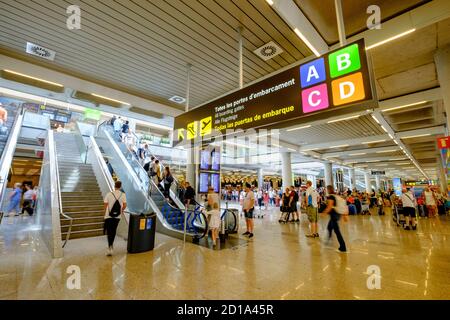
{"x":344,"y":61}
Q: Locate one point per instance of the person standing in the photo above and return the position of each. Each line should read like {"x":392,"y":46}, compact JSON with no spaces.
{"x":3,"y":116}
{"x":189,"y":195}
{"x":312,"y":209}
{"x":115,"y":204}
{"x":248,"y":208}
{"x":117,"y":127}
{"x":333,"y":202}
{"x":14,"y":199}
{"x":293,"y":204}
{"x":430,"y":202}
{"x":156,"y":172}
{"x":409,"y":208}
{"x":260,"y":198}
{"x":168,"y":180}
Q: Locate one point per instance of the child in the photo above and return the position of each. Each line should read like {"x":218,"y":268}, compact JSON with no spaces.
{"x":214,"y":222}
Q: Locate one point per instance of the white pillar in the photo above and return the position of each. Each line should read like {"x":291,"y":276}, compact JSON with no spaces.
{"x":351,"y":174}
{"x":190,"y":167}
{"x":328,"y":173}
{"x":260,"y":178}
{"x":442,"y":61}
{"x":367,"y":182}
{"x":378,"y":182}
{"x":442,"y":176}
{"x":286,"y":170}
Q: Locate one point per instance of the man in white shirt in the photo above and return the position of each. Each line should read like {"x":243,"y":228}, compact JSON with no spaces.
{"x":430,"y":202}
{"x":118,"y":126}
{"x":409,"y":208}
{"x":312,"y":209}
{"x":248,"y":207}
{"x":113,"y":214}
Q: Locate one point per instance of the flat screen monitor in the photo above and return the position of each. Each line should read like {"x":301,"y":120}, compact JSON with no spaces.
{"x":204,"y":182}
{"x":215,"y":182}
{"x":205,"y":159}
{"x":215,"y":160}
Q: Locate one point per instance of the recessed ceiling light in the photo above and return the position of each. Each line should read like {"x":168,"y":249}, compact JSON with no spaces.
{"x":376,"y":141}
{"x":391,"y":38}
{"x":343,"y":119}
{"x":33,"y":78}
{"x":404,"y":106}
{"x":113,"y":100}
{"x":299,"y":128}
{"x":416,"y":136}
{"x":178,"y":99}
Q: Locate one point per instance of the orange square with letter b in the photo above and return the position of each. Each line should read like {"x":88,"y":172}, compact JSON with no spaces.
{"x":348,"y":89}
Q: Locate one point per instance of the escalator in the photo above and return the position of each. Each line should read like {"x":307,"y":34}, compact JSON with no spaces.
{"x":9,"y":133}
{"x":143,"y":195}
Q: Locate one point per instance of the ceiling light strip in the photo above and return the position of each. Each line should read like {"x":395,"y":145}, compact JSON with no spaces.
{"x":106,"y":98}
{"x":299,"y":128}
{"x":391,"y":39}
{"x":343,"y":119}
{"x":310,"y":46}
{"x":33,"y":78}
{"x":404,"y":106}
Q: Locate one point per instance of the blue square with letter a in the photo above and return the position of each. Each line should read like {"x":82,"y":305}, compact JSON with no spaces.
{"x":313,"y":72}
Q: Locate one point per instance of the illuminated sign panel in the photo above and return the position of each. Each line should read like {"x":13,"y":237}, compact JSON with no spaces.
{"x":339,"y":80}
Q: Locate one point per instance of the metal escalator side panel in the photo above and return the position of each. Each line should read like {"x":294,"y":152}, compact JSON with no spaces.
{"x":8,"y":154}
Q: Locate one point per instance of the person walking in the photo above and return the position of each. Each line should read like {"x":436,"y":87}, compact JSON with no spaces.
{"x":248,"y":208}
{"x":260,"y":198}
{"x":409,"y":204}
{"x":115,"y":204}
{"x":14,"y":199}
{"x":27,"y":204}
{"x":312,"y":209}
{"x":335,"y":208}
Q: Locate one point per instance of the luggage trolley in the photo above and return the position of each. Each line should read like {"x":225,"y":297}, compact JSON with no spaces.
{"x":398,"y":215}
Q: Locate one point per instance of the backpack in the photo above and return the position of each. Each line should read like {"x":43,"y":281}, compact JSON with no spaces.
{"x":296,"y":197}
{"x":340,"y":205}
{"x":116,"y":209}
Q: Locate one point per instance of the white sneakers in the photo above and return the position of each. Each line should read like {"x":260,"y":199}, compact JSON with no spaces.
{"x":109,"y":253}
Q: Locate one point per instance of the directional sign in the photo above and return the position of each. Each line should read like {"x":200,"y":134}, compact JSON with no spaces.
{"x":337,"y":83}
{"x":444,"y":143}
{"x":206,"y":126}
{"x":378,"y":173}
{"x":192,"y":130}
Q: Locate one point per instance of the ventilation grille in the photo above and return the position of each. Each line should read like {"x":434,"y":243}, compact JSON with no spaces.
{"x":268,"y":51}
{"x":178,"y":99}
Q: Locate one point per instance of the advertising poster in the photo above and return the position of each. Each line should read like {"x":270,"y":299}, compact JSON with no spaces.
{"x":397,"y":183}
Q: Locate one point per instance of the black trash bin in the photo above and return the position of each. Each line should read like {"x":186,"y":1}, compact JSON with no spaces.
{"x":141,"y":232}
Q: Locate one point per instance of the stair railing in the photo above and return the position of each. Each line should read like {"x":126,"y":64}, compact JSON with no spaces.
{"x":58,"y":189}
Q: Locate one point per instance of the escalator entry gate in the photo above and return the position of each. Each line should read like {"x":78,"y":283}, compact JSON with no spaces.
{"x":141,"y":232}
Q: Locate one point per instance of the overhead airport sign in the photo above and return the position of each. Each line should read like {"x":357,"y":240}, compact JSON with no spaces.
{"x":378,"y":173}
{"x":338,"y":80}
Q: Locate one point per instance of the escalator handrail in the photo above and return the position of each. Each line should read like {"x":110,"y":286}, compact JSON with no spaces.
{"x":58,"y":194}
{"x":8,"y":152}
{"x":151,"y":154}
{"x":150,"y":180}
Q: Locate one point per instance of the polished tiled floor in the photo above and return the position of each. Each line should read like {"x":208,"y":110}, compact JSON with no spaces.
{"x":279,"y":263}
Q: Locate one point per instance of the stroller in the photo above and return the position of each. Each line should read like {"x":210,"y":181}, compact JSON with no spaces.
{"x":285,"y":214}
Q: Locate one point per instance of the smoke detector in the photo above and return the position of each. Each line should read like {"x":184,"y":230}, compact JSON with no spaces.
{"x":268,"y":51}
{"x":178,"y":99}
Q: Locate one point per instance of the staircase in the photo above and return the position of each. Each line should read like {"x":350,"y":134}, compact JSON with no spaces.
{"x":9,"y":123}
{"x":80,"y":194}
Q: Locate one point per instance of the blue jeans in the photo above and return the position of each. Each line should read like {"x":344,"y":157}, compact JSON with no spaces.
{"x":13,"y":205}
{"x":333,"y":224}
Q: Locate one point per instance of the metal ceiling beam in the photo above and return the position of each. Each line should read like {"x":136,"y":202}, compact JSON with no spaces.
{"x":294,"y":17}
{"x":365,"y":150}
{"x":350,"y":142}
{"x":377,"y":115}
